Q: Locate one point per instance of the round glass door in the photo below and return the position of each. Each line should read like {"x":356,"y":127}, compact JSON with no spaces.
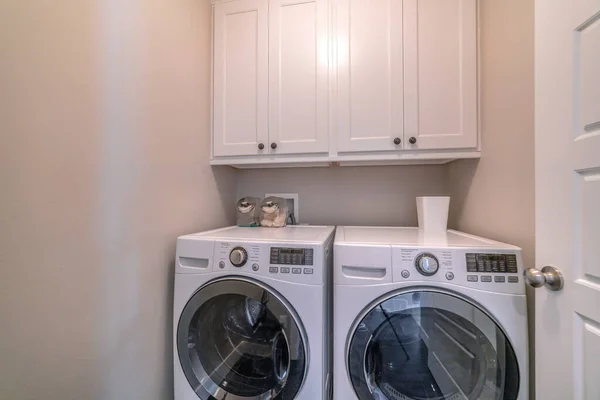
{"x":238,"y":339}
{"x":431,"y":345}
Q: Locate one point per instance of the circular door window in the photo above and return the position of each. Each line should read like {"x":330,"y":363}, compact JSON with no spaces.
{"x":431,"y":345}
{"x":238,"y":339}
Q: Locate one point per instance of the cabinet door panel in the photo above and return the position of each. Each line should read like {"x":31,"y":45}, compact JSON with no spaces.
{"x":441,"y":73}
{"x":370,"y":75}
{"x":298,"y":76}
{"x":240,"y":77}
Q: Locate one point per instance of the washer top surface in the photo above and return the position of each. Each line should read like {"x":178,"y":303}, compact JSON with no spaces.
{"x":402,"y":236}
{"x":292,"y":234}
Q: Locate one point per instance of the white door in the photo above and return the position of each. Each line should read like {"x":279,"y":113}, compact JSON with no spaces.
{"x":240,"y":122}
{"x":567,"y":143}
{"x":440,"y":61}
{"x":370,"y":75}
{"x":298,"y":76}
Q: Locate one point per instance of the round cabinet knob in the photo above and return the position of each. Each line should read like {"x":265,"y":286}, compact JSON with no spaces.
{"x":261,"y":146}
{"x":548,"y":276}
{"x":397,"y":141}
{"x":412,"y":140}
{"x":273,"y":145}
{"x":427,"y":264}
{"x":238,"y":257}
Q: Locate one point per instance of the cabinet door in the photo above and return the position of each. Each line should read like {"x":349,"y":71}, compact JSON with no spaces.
{"x":440,"y":61}
{"x":370,"y":75}
{"x":298,"y":76}
{"x":240,"y":77}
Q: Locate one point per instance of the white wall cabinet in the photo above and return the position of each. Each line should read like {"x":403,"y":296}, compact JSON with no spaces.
{"x":440,"y":64}
{"x":298,"y":76}
{"x":370,"y":75}
{"x":407,"y":75}
{"x":388,"y":81}
{"x":271,"y":82}
{"x":241,"y":77}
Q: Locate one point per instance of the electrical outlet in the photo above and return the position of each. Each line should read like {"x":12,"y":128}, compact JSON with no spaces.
{"x":292,"y":202}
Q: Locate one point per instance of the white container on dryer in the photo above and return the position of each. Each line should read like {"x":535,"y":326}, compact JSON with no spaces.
{"x":252,"y":317}
{"x":428,"y":315}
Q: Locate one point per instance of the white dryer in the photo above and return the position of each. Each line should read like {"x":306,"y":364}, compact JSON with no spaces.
{"x":421,"y":315}
{"x":252,"y":314}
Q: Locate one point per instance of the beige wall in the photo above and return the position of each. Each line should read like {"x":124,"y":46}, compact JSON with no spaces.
{"x":494,"y":197}
{"x":104,"y":144}
{"x":103,"y":161}
{"x":350,"y":195}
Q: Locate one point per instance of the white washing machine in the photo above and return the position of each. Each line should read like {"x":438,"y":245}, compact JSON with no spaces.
{"x":420,"y":315}
{"x":252,"y":314}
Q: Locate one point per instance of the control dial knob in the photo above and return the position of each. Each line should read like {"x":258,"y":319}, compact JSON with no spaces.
{"x":238,"y":257}
{"x":427,"y":264}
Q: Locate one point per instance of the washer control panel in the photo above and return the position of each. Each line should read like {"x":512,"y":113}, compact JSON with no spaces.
{"x":295,"y":264}
{"x":291,"y":256}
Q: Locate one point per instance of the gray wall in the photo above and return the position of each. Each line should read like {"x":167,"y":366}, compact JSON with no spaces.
{"x":104,"y":124}
{"x":350,"y":195}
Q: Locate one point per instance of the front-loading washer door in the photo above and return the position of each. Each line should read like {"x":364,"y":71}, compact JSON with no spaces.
{"x":428,"y":344}
{"x":239,"y":339}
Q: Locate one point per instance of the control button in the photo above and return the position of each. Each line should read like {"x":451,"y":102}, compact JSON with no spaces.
{"x":308,"y":271}
{"x":472,"y":278}
{"x":296,"y":270}
{"x":486,"y":278}
{"x":513,"y":279}
{"x":499,"y":279}
{"x":221,"y":265}
{"x":285,"y":270}
{"x":427,"y":264}
{"x":238,"y":257}
{"x":449,"y":276}
{"x":273,"y":270}
{"x":255,"y":267}
{"x":405,"y":274}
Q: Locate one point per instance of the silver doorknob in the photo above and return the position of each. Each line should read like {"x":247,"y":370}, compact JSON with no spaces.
{"x":548,"y":276}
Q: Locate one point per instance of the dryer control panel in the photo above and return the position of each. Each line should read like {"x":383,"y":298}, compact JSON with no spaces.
{"x":498,"y":271}
{"x":492,"y":263}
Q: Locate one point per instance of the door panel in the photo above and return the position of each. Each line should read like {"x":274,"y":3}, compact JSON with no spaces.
{"x":240,"y":120}
{"x":298,"y":73}
{"x":568,"y":197}
{"x":441,"y":73}
{"x":239,"y":339}
{"x":370,"y":75}
{"x":431,"y":345}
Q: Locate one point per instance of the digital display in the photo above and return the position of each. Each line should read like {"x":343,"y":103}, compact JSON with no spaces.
{"x":288,"y":256}
{"x":291,"y":251}
{"x":492,"y":263}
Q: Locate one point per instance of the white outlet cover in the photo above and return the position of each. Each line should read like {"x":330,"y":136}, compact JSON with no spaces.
{"x":289,"y":196}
